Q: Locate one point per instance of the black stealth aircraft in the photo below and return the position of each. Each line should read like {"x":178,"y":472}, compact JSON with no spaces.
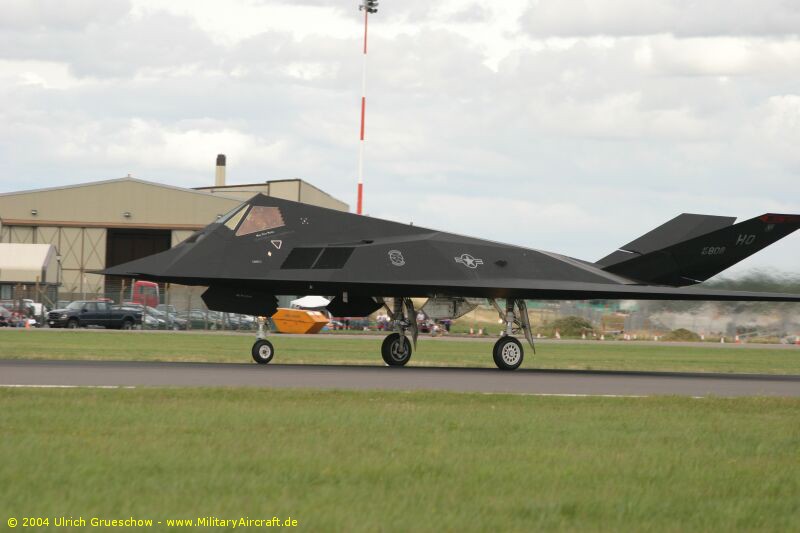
{"x":268,"y":246}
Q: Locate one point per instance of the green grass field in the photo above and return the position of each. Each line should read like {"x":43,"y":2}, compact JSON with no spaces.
{"x":332,"y":349}
{"x":361,"y":461}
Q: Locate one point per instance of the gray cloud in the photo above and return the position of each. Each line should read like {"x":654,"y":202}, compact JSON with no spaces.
{"x":570,"y":18}
{"x":472,"y":13}
{"x":119,"y":48}
{"x":57,"y":15}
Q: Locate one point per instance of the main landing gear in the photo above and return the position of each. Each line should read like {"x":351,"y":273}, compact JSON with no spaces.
{"x":396,"y":348}
{"x":508,"y":352}
{"x":263,"y":351}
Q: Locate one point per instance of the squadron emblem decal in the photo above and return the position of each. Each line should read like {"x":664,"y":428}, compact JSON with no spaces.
{"x":469,"y":261}
{"x":396,"y":257}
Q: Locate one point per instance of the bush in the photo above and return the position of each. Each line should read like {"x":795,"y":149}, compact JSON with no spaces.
{"x":569,"y":326}
{"x":681,"y":334}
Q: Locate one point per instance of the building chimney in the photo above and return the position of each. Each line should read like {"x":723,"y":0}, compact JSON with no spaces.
{"x":220,"y":175}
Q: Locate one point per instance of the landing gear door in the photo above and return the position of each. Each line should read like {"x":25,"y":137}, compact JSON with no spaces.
{"x":448,"y":308}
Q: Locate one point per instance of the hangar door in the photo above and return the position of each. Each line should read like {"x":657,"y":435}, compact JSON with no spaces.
{"x":125,"y":245}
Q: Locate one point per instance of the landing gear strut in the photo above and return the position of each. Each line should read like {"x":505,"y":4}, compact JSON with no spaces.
{"x":396,"y":348}
{"x":508,"y":352}
{"x":262,"y":351}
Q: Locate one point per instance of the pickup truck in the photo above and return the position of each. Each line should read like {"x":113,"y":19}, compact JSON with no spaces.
{"x":93,"y":313}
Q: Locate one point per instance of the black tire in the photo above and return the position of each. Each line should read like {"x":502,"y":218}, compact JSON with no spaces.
{"x":263,"y":351}
{"x":127,"y":324}
{"x":508,"y":353}
{"x":73,"y":323}
{"x":396,"y":350}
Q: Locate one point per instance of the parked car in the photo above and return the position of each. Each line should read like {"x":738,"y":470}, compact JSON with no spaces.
{"x":199,"y":319}
{"x":215,"y":319}
{"x":247,"y":322}
{"x":236,"y":321}
{"x":239,"y":322}
{"x":174,"y":315}
{"x":23,"y":306}
{"x":166,"y":320}
{"x":350,"y":322}
{"x":92,"y":313}
{"x":169,"y":309}
{"x":149,"y":320}
{"x":8,"y":318}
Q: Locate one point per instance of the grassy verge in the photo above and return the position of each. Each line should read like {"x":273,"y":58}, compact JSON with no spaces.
{"x":95,"y":345}
{"x":359,"y":461}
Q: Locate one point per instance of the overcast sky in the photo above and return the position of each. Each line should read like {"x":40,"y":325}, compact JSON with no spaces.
{"x":567,"y":125}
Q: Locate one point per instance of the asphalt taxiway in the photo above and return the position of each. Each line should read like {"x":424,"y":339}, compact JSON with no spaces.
{"x":21,"y":373}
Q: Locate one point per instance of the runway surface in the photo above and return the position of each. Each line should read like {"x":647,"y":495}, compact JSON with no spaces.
{"x":544,"y":382}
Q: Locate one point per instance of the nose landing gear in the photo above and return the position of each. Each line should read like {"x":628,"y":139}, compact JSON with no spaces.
{"x":262,"y":351}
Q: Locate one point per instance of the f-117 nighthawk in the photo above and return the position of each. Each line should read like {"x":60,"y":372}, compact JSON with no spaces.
{"x":269,"y":246}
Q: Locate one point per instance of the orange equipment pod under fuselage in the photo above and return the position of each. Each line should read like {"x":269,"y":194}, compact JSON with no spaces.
{"x":299,"y":321}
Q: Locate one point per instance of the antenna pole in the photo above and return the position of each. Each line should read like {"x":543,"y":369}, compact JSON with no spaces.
{"x":360,"y":203}
{"x":367,"y":6}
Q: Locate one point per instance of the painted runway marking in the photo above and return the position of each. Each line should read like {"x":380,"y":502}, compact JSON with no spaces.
{"x":17,"y":386}
{"x":567,"y":395}
{"x":12,"y":386}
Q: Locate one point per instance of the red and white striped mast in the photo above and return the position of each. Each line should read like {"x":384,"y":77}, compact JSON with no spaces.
{"x":368,"y":6}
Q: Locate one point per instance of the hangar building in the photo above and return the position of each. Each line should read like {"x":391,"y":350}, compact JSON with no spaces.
{"x":100,"y":224}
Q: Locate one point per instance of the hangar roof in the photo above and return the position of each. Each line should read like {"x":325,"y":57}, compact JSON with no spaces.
{"x":293,"y":189}
{"x":128,"y":203}
{"x":101,"y":182}
{"x":124,"y":202}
